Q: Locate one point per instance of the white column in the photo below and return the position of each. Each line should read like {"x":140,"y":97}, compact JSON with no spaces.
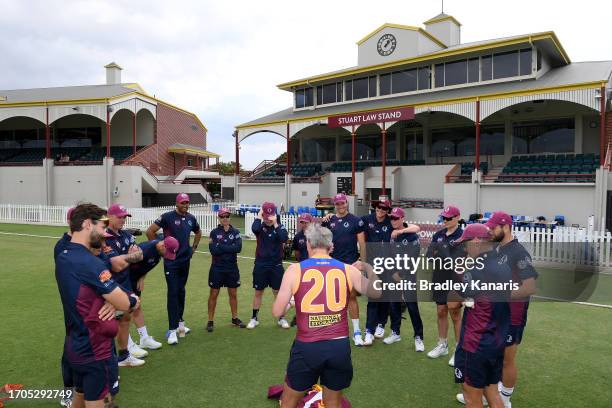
{"x":108,"y":163}
{"x":48,"y":169}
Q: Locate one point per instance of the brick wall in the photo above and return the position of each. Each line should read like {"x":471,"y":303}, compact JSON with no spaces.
{"x":172,"y":126}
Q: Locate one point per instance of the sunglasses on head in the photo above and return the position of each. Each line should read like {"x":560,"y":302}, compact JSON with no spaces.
{"x":104,"y":222}
{"x":383,"y":208}
{"x":447,"y":218}
{"x":340,"y":203}
{"x":303,"y":222}
{"x":394,"y":218}
{"x":224,"y":216}
{"x":184,"y":202}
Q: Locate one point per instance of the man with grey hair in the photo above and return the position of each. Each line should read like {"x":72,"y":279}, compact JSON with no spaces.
{"x":321,"y":287}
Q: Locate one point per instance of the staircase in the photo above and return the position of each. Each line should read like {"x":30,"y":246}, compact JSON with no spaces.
{"x":491,"y":176}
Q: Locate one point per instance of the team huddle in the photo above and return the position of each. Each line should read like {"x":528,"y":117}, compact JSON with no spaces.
{"x":100,"y":273}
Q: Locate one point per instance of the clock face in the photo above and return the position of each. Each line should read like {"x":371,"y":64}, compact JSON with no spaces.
{"x":386,"y":44}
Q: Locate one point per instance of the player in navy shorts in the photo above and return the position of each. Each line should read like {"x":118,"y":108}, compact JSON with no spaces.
{"x":224,"y":245}
{"x":519,"y":261}
{"x":479,"y":357}
{"x":178,"y":224}
{"x":348,"y":231}
{"x":268,"y":268}
{"x":321,"y":288}
{"x":89,"y":298}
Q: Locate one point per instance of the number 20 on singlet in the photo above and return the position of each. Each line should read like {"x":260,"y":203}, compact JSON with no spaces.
{"x":335,"y":301}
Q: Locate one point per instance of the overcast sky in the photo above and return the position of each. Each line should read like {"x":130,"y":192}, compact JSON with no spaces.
{"x":223,"y":59}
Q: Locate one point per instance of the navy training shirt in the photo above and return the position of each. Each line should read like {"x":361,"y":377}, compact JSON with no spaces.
{"x":82,"y":279}
{"x":150,"y":259}
{"x":224,"y":247}
{"x":522,"y":268}
{"x":120,"y":244}
{"x":270,"y":243}
{"x":179,"y":226}
{"x":485,"y":326}
{"x":61,"y":244}
{"x":299,"y":244}
{"x":345,"y":232}
{"x":377,"y":231}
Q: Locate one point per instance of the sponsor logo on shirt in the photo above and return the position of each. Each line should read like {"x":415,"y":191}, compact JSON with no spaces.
{"x":105,"y":276}
{"x":346,"y":224}
{"x":177,"y":222}
{"x":503,"y":259}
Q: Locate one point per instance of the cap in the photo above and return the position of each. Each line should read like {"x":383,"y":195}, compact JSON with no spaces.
{"x":181,"y":197}
{"x":268,"y":209}
{"x":69,"y":214}
{"x":397,"y":212}
{"x":305,"y":217}
{"x":172,"y":246}
{"x":499,"y":218}
{"x":450,"y":212}
{"x":474,"y":231}
{"x":118,"y":210}
{"x":224,"y":211}
{"x":340,"y":197}
{"x":384,"y":203}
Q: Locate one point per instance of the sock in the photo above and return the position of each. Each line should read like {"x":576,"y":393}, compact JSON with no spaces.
{"x":142,"y":331}
{"x":181,"y":326}
{"x":255,"y":312}
{"x":123,"y":354}
{"x":356,"y":328}
{"x":130,"y":341}
{"x":506,"y":392}
{"x":282,"y":317}
{"x":442,"y":341}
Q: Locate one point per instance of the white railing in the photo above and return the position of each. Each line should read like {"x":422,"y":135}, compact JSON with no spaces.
{"x":141,"y":218}
{"x":289,"y":221}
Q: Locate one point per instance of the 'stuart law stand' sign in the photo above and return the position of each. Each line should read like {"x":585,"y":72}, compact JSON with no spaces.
{"x":363,"y":118}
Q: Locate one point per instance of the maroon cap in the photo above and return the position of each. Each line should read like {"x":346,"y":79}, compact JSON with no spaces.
{"x":118,"y":210}
{"x":450,"y":212}
{"x":172,"y":246}
{"x":340,"y":197}
{"x":181,"y":197}
{"x":69,"y":214}
{"x":397,"y":212}
{"x":268,"y":209}
{"x":498,"y":218}
{"x":224,"y":211}
{"x":305,"y":217}
{"x":474,"y":231}
{"x":386,"y":203}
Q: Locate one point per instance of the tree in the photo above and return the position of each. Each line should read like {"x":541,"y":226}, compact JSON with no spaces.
{"x":226,"y":168}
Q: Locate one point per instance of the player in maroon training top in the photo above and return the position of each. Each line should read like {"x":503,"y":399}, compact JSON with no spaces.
{"x":321,"y":351}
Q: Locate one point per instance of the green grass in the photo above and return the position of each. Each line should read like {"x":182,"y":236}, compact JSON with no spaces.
{"x":565,"y":359}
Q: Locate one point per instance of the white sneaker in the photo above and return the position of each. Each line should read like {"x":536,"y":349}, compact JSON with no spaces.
{"x":149,"y":343}
{"x":66,"y":402}
{"x":379,"y":333}
{"x":358,"y":339}
{"x":172,"y":339}
{"x":418,"y":344}
{"x":461,"y":399}
{"x":369,"y":339}
{"x":392,"y":338}
{"x":440,"y":350}
{"x":131,"y":361}
{"x":284,"y":323}
{"x":451,"y":362}
{"x":137,"y":351}
{"x":253,"y":323}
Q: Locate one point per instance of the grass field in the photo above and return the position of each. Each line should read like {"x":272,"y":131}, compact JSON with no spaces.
{"x":565,"y":359}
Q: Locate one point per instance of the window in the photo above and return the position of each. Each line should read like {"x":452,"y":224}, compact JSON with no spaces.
{"x":539,"y":58}
{"x":348,"y":90}
{"x":339,"y":91}
{"x":360,"y":88}
{"x":453,"y":142}
{"x":190,"y":162}
{"x":492,"y":140}
{"x":473,"y":70}
{"x":486,"y":68}
{"x":372,"y":86}
{"x":525,"y":61}
{"x":546,"y":136}
{"x":439,"y":74}
{"x":385,"y":84}
{"x":329,"y":93}
{"x":319,"y":95}
{"x":404,"y":81}
{"x":414,"y":145}
{"x":505,"y":64}
{"x":303,"y":97}
{"x":455,"y":72}
{"x":424,"y":78}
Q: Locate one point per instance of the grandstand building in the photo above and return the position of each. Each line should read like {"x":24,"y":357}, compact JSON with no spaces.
{"x":509,"y":123}
{"x":101,"y":143}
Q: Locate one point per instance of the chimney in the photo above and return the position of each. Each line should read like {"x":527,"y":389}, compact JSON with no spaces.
{"x":113,"y":74}
{"x":445,"y":28}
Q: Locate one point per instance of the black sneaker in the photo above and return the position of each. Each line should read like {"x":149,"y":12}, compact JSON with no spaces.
{"x":238,"y":323}
{"x":210,"y":326}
